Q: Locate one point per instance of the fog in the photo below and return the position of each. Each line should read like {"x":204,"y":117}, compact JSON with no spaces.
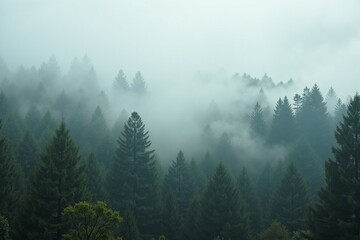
{"x":188,"y":52}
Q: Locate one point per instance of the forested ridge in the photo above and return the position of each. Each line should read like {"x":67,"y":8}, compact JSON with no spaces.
{"x":69,"y":169}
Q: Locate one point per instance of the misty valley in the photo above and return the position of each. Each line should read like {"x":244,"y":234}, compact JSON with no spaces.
{"x":226,"y":157}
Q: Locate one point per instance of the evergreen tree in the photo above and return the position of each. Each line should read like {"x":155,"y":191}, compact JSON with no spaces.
{"x":221,"y":211}
{"x":27,"y":156}
{"x":132,"y":180}
{"x":208,"y":165}
{"x":289,"y":202}
{"x":138,"y":84}
{"x":120,"y":82}
{"x":128,"y":227}
{"x":248,"y":195}
{"x":283,"y":128}
{"x":192,"y":221}
{"x":257,"y":122}
{"x":309,"y":165}
{"x":265,"y":188}
{"x":57,"y":182}
{"x":94,"y":179}
{"x":297,"y":103}
{"x":337,"y":213}
{"x":331,"y":100}
{"x":96,"y":129}
{"x":314,"y":123}
{"x":4,"y":105}
{"x":340,"y":110}
{"x":10,"y":181}
{"x":170,"y":216}
{"x":179,"y":181}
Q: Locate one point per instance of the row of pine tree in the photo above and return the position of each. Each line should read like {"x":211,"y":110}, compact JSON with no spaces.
{"x":49,"y":165}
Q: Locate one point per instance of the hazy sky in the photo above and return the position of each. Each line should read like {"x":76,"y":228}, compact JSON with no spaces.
{"x":168,"y":40}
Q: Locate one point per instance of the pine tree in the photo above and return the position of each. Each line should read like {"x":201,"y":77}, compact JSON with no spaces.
{"x":289,"y":202}
{"x":132,"y":180}
{"x":283,"y":128}
{"x":10,"y":179}
{"x":265,"y":188}
{"x":96,"y":129}
{"x":314,"y":123}
{"x":340,"y":110}
{"x":309,"y":165}
{"x":128,"y":227}
{"x":170,"y":216}
{"x":27,"y":156}
{"x":94,"y":179}
{"x":337,"y":213}
{"x":57,"y":182}
{"x":248,"y":195}
{"x":221,"y":211}
{"x":138,"y":84}
{"x":257,"y":122}
{"x":120,"y":82}
{"x":179,"y":181}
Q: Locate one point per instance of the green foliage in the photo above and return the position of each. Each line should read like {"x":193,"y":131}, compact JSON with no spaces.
{"x":27,"y":155}
{"x":289,"y":202}
{"x":221,"y":211}
{"x":4,"y":228}
{"x":132,"y":180}
{"x":275,"y":231}
{"x":57,"y":182}
{"x":95,"y":182}
{"x":179,"y":181}
{"x":10,"y":181}
{"x":90,"y":221}
{"x":247,"y":193}
{"x":283,"y":129}
{"x":257,"y":122}
{"x":309,"y":165}
{"x":128,"y":227}
{"x":171,"y":216}
{"x":336,"y":215}
{"x":313,"y":121}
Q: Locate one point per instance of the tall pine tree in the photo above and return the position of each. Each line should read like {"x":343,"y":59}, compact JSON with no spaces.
{"x":222,"y":213}
{"x":132,"y":178}
{"x":58,"y":181}
{"x":337,"y":213}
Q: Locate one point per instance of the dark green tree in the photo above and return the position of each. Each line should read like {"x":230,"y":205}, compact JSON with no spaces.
{"x":10,"y":181}
{"x":192,"y":221}
{"x":221,"y":211}
{"x":170,"y":216}
{"x":128,"y":227}
{"x":179,"y":181}
{"x":248,"y":195}
{"x":97,"y":129}
{"x":309,"y":165}
{"x":27,"y":155}
{"x":265,"y":188}
{"x":337,"y":213}
{"x":132,"y":179}
{"x":58,"y":181}
{"x":314,"y":123}
{"x":95,"y":181}
{"x":340,"y":110}
{"x":289,"y":202}
{"x":257,"y":122}
{"x":283,"y":128}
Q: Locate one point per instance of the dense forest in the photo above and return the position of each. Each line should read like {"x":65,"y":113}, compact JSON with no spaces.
{"x":79,"y":162}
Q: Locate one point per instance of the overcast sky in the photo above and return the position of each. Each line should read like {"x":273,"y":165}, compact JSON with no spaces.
{"x":168,"y":40}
